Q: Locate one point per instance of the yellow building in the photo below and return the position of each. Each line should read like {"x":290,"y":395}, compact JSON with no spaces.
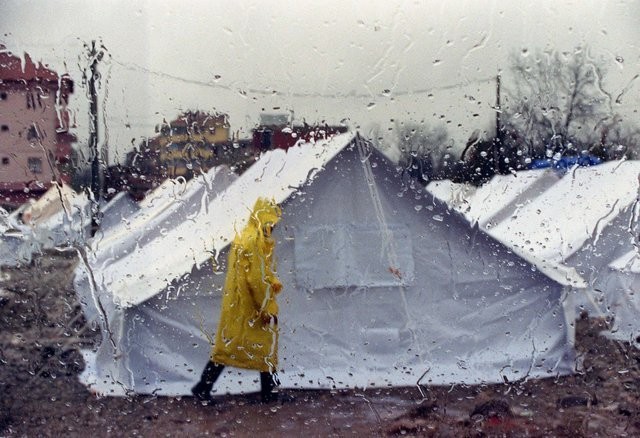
{"x":190,"y":143}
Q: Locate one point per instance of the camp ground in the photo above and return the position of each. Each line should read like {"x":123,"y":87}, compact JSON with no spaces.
{"x":582,"y":224}
{"x":383,"y":285}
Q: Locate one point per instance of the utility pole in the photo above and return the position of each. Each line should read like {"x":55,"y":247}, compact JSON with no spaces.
{"x":95,"y":56}
{"x":497,"y":141}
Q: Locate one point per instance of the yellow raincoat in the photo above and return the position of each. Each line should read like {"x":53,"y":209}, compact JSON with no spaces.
{"x":247,"y":335}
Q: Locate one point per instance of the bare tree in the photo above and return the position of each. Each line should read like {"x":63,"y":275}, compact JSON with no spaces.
{"x":477,"y":159}
{"x":424,"y":151}
{"x":556,"y":102}
{"x":617,"y":139}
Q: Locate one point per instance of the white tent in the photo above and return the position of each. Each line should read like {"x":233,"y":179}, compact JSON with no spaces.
{"x":625,"y":303}
{"x":4,"y":220}
{"x":500,"y":200}
{"x":119,"y":209}
{"x":175,"y":202}
{"x":15,"y":246}
{"x":578,"y":225}
{"x":382,"y":287}
{"x":60,"y":217}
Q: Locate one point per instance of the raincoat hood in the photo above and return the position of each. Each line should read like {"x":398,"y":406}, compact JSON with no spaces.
{"x":265,"y":215}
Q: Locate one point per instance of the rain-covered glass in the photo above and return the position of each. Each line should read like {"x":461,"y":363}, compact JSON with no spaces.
{"x":320,"y":219}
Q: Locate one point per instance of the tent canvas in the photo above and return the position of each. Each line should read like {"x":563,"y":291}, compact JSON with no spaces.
{"x":624,"y":277}
{"x":488,"y":204}
{"x":120,"y":208}
{"x":382,"y":287}
{"x":578,"y":225}
{"x":60,"y":217}
{"x":172,"y":203}
{"x":15,"y":247}
{"x":499,"y":200}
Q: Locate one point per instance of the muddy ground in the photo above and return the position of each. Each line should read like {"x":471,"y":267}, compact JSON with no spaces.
{"x":42,"y":328}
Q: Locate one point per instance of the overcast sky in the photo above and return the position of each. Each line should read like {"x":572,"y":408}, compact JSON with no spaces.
{"x":168,"y":56}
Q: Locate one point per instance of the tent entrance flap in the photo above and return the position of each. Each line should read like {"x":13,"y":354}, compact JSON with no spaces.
{"x":351,"y":255}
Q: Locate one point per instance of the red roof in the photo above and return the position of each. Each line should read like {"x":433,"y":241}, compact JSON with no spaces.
{"x":12,"y":68}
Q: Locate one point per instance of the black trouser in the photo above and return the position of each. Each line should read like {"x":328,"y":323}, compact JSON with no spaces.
{"x":210,"y":374}
{"x":212,"y":371}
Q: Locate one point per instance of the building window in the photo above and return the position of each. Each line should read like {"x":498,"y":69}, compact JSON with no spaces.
{"x":32,"y":133}
{"x":35,"y":165}
{"x":5,"y":161}
{"x":4,"y":128}
{"x":265,"y":141}
{"x":3,"y":96}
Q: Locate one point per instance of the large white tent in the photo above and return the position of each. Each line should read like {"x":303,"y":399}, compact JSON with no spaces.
{"x":579,"y":224}
{"x":383,"y":286}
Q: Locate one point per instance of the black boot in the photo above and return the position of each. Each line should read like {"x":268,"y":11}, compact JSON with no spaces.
{"x":203,"y":388}
{"x":267,"y":383}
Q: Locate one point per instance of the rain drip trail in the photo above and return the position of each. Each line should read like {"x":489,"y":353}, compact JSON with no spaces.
{"x":373,"y":409}
{"x":634,"y":220}
{"x":94,"y":287}
{"x":202,"y":329}
{"x":626,"y":89}
{"x":387,"y":238}
{"x":54,"y":172}
{"x":603,"y":222}
{"x":104,"y":149}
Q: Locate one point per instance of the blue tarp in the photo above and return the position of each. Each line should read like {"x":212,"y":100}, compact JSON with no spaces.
{"x":565,"y":162}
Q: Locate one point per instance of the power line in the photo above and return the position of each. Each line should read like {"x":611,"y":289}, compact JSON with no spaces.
{"x":274,"y":92}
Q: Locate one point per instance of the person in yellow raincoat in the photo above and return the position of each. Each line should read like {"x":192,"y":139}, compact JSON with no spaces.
{"x":247,"y":335}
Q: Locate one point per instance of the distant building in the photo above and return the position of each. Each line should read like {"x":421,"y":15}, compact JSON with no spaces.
{"x":35,"y":142}
{"x":194,"y":142}
{"x":277,"y":131}
{"x":197,"y":141}
{"x":190,"y":142}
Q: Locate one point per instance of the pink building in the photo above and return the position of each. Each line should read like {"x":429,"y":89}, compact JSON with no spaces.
{"x":35,"y":142}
